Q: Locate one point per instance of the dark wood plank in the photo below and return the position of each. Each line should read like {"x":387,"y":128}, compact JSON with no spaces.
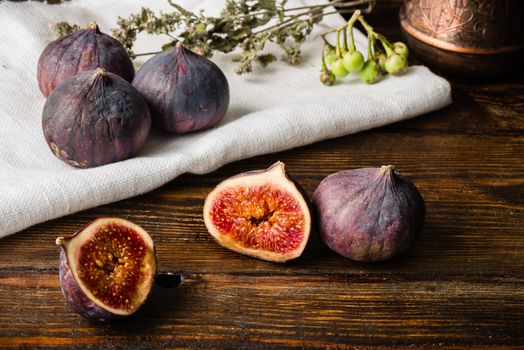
{"x":297,"y":310}
{"x":472,"y":187}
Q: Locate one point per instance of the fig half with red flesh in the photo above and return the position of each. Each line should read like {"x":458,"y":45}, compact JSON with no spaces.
{"x":262,"y":214}
{"x":107,"y":269}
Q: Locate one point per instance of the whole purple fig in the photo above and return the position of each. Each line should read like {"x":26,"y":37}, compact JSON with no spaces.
{"x":369,"y":214}
{"x":186,"y":92}
{"x":81,"y":51}
{"x":95,"y":118}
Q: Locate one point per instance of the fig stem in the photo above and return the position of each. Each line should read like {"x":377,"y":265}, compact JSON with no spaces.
{"x":59,"y":241}
{"x":169,"y":279}
{"x":386,"y":169}
{"x":279,"y":167}
{"x":100,"y":71}
{"x":92,"y":26}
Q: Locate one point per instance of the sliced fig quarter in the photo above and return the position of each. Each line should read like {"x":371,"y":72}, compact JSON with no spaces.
{"x":262,"y":214}
{"x":107,"y":269}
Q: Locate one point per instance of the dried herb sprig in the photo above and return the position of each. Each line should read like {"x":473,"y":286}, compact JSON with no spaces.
{"x":245,"y":24}
{"x":63,"y":28}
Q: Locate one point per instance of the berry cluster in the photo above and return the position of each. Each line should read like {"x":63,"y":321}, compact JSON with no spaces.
{"x":341,"y":59}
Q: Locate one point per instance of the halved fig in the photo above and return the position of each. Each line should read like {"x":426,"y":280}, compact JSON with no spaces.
{"x":107,"y":269}
{"x":261,"y":213}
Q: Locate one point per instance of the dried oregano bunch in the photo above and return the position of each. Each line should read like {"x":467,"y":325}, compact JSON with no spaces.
{"x":63,"y":28}
{"x":244,"y":24}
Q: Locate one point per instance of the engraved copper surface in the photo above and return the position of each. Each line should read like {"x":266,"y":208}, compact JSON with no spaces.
{"x":466,"y":26}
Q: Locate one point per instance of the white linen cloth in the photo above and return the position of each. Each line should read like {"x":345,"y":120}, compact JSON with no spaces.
{"x":272,"y":109}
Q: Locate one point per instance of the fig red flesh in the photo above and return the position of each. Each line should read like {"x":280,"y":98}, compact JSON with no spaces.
{"x":262,"y":214}
{"x":278,"y":218}
{"x":107,"y":268}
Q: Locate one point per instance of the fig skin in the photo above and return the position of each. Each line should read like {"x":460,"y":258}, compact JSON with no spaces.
{"x":368,"y":214}
{"x":78,"y":52}
{"x":76,"y":298}
{"x":95,"y":118}
{"x":70,"y":286}
{"x":186,"y":92}
{"x":256,"y":231}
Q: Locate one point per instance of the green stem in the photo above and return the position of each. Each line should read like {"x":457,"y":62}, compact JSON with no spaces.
{"x":350,"y":25}
{"x":329,"y":31}
{"x":371,"y":42}
{"x":345,"y":41}
{"x":337,"y":47}
{"x":326,"y":42}
{"x":386,"y":44}
{"x":372,"y":36}
{"x":324,"y":65}
{"x":365,"y":24}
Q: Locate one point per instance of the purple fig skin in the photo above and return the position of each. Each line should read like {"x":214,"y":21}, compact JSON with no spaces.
{"x":95,"y":118}
{"x":103,"y":240}
{"x":186,"y":92}
{"x":369,"y":214}
{"x":76,"y":298}
{"x":81,"y":51}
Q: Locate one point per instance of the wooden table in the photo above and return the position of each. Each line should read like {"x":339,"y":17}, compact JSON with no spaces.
{"x":462,"y":285}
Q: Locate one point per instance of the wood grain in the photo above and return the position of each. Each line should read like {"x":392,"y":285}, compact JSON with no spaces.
{"x":460,"y":287}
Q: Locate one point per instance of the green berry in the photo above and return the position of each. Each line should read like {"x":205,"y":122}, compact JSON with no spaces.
{"x":327,"y":77}
{"x":396,"y":64}
{"x":329,"y":54}
{"x":401,"y":48}
{"x":338,"y":68}
{"x":353,"y":61}
{"x":381,"y":59}
{"x":330,"y":58}
{"x":371,"y":72}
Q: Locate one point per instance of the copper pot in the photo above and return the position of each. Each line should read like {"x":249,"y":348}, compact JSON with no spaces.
{"x":480,"y":38}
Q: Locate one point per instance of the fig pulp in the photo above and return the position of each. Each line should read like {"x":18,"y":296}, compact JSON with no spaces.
{"x":262,"y":214}
{"x":369,"y":214}
{"x":95,"y":118}
{"x":81,"y":51}
{"x":186,"y":92}
{"x":107,"y":268}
